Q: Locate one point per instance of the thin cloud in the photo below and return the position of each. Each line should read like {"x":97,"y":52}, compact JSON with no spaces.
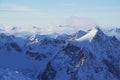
{"x":19,"y":8}
{"x":83,"y":23}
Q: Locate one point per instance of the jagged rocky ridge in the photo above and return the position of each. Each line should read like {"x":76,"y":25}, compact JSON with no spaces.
{"x":88,"y":55}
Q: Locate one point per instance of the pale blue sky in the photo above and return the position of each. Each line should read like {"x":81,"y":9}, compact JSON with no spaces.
{"x":54,"y":12}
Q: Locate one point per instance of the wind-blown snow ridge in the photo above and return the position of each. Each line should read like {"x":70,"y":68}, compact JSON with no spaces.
{"x":89,"y":36}
{"x":84,"y":41}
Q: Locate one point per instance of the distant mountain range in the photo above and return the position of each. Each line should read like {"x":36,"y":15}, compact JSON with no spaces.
{"x":113,"y":32}
{"x":91,"y":55}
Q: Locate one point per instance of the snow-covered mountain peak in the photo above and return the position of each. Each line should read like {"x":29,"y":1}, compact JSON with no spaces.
{"x":94,"y":34}
{"x":90,"y":34}
{"x":93,"y":54}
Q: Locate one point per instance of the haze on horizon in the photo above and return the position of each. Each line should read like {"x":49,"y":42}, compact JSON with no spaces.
{"x":105,"y":13}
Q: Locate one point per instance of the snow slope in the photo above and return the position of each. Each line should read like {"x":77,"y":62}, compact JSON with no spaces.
{"x":6,"y":74}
